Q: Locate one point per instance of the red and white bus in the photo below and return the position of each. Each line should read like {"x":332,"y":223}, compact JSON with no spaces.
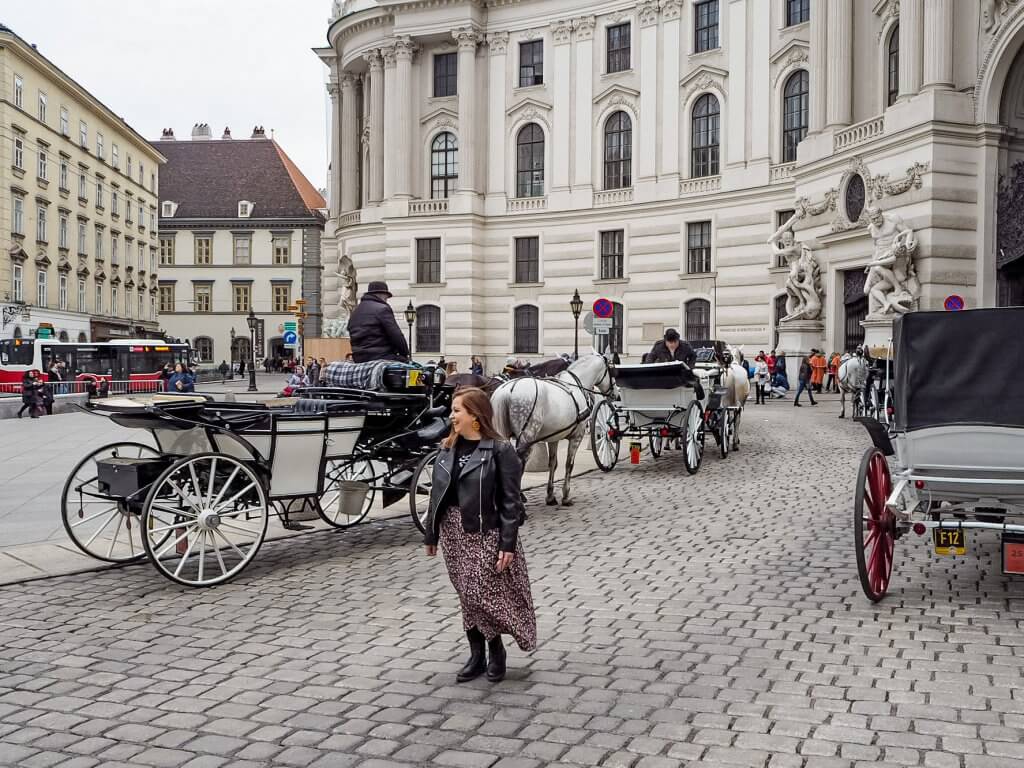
{"x":131,"y":365}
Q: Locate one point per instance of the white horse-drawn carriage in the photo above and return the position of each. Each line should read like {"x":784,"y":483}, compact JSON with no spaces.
{"x":957,"y":442}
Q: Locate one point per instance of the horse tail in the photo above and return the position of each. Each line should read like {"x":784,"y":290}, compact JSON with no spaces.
{"x":501,"y":402}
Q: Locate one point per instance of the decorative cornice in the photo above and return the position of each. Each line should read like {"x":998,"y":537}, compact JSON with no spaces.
{"x":497,"y":43}
{"x":671,"y":9}
{"x":912,"y":179}
{"x":374,"y":59}
{"x":561,"y":31}
{"x":387,"y":53}
{"x":531,"y":34}
{"x":703,"y":79}
{"x":648,"y":11}
{"x":467,"y":38}
{"x":333,"y":90}
{"x":530,"y":110}
{"x":584,"y":27}
{"x":805,"y":207}
{"x":794,"y":55}
{"x":348,"y":81}
{"x":618,"y":96}
{"x":405,"y":48}
{"x":439,"y":116}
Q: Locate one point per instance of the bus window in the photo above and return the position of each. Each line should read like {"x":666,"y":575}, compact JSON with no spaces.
{"x":99,"y":360}
{"x":16,"y":351}
{"x":50,"y":353}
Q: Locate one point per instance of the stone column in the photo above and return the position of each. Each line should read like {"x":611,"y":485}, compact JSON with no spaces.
{"x":376,"y":169}
{"x":561,"y":32}
{"x":467,"y":39}
{"x":403,"y":147}
{"x":497,"y":148}
{"x":647,"y":53}
{"x":911,"y":47}
{"x":671,"y":12}
{"x":938,"y":44}
{"x":819,"y":65}
{"x":349,"y":144}
{"x":760,"y":83}
{"x":584,"y":132}
{"x":390,"y":159}
{"x":735,"y":128}
{"x":336,"y":151}
{"x":840,"y":63}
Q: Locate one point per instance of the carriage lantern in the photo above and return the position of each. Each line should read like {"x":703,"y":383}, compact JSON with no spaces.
{"x":410,"y":319}
{"x":252,"y":322}
{"x":231,"y":373}
{"x":576,"y":305}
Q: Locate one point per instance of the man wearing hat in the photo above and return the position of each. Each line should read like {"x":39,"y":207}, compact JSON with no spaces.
{"x":373,"y":330}
{"x":671,"y":348}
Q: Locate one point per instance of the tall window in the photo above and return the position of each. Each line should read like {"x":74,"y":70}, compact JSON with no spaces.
{"x":83,"y":188}
{"x":62,"y":230}
{"x":65,"y":122}
{"x":19,"y":91}
{"x":41,"y":162}
{"x":203,"y":297}
{"x":204,"y":250}
{"x":115,"y":160}
{"x":99,"y":246}
{"x":83,"y":134}
{"x":781,"y":217}
{"x":428,"y":328}
{"x":698,"y":320}
{"x":794,"y":114}
{"x":62,"y":178}
{"x":99,"y":299}
{"x":530,"y":161}
{"x":115,"y":246}
{"x":243,"y":297}
{"x":99,"y":194}
{"x":166,"y":250}
{"x":612,"y":254}
{"x":243,"y":253}
{"x":797,"y":12}
{"x":705,"y":29}
{"x":444,"y":165}
{"x":42,"y":107}
{"x":62,"y":291}
{"x":81,"y":237}
{"x":19,"y":151}
{"x":18,"y":282}
{"x":282,"y":250}
{"x":618,"y":47}
{"x":282,"y":297}
{"x":705,"y":133}
{"x":531,"y":63}
{"x":17,"y":214}
{"x":446,"y":74}
{"x":100,"y":150}
{"x":141,"y":254}
{"x":114,"y":203}
{"x":204,"y":349}
{"x":428,"y":260}
{"x":41,"y":293}
{"x":166,"y":297}
{"x":527,"y":260}
{"x":526,"y":334}
{"x":618,"y":151}
{"x":41,"y":223}
{"x":892,"y":81}
{"x":698,"y":247}
{"x":81,"y":295}
{"x":113,"y":300}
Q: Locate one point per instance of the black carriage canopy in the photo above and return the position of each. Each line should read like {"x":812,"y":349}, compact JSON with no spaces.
{"x":655,"y":376}
{"x":709,"y":351}
{"x":959,"y":368}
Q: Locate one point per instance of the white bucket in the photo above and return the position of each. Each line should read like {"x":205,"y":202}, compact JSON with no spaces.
{"x":351,"y":497}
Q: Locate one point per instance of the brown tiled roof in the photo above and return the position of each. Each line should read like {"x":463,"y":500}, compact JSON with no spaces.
{"x":207,"y":179}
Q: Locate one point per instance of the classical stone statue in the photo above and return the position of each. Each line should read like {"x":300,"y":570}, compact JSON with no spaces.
{"x":335,"y":329}
{"x":348,"y":287}
{"x":891,"y":286}
{"x":803,"y":283}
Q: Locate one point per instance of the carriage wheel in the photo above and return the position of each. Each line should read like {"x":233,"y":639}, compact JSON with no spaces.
{"x":734,"y":418}
{"x":102,"y":526}
{"x":874,"y":526}
{"x":657,"y":443}
{"x":216,"y":510}
{"x":419,"y":490}
{"x":328,"y":504}
{"x":693,"y":438}
{"x":604,"y":446}
{"x":724,"y":433}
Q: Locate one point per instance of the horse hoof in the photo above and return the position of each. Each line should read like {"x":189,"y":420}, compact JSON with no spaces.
{"x":567,"y":503}
{"x":552,"y":502}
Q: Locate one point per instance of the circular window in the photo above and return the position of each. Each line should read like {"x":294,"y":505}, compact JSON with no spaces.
{"x":854,"y":198}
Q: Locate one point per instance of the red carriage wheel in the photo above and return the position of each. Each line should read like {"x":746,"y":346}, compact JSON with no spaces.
{"x":874,"y":525}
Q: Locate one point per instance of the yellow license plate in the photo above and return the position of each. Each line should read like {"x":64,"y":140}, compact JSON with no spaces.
{"x":412,"y":378}
{"x":949,"y":542}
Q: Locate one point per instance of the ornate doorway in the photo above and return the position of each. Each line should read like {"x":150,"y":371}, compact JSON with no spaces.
{"x":1010,"y":238}
{"x":855,"y":308}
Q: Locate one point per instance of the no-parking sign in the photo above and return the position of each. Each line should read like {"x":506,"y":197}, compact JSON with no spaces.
{"x":954,"y":303}
{"x":603,"y":308}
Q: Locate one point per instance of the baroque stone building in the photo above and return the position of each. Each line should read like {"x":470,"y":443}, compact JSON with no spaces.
{"x":489,"y":158}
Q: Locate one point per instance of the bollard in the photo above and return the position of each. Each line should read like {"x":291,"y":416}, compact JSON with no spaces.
{"x":634,"y":452}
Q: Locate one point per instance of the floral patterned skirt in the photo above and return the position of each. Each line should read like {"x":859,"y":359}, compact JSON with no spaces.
{"x":495,"y":603}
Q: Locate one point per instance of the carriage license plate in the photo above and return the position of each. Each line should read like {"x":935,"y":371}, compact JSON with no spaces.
{"x":1013,"y":554}
{"x":412,"y":378}
{"x":949,"y":541}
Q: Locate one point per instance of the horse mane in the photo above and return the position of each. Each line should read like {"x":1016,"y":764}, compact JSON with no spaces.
{"x":548,"y":368}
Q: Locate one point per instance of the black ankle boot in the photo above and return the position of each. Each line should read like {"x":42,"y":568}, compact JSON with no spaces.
{"x":477,"y":663}
{"x":496,"y":664}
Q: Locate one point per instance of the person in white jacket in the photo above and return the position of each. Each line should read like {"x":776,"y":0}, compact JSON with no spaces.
{"x":761,"y":380}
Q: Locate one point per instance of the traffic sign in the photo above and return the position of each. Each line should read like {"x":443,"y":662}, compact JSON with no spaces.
{"x":603,"y":308}
{"x":290,"y":325}
{"x":291,"y":338}
{"x":300,"y":302}
{"x":293,"y":307}
{"x":954,"y":303}
{"x":603,"y":325}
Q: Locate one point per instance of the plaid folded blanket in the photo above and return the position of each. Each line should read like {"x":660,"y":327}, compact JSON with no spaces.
{"x":356,"y":375}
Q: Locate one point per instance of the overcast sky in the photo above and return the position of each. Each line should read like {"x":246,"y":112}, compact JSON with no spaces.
{"x":172,"y":63}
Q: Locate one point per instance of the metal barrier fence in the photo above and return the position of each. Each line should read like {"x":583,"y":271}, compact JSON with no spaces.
{"x":130,"y":387}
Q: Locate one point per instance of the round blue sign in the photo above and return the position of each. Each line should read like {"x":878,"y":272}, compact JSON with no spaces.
{"x":290,"y":337}
{"x":953,"y":303}
{"x":603,"y":308}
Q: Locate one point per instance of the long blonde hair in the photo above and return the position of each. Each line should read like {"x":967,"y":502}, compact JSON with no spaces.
{"x":478,"y":404}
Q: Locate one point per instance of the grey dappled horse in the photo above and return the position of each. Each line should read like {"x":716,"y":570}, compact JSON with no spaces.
{"x":853,"y":373}
{"x":550,"y":410}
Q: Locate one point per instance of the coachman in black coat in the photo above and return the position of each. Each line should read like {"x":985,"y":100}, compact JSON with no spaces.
{"x":373,"y":330}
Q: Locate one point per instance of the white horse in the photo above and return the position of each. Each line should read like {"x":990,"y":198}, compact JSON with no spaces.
{"x":853,"y":373}
{"x":550,"y":410}
{"x":737,"y":390}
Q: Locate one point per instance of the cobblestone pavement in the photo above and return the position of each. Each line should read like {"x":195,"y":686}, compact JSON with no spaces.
{"x":708,"y":620}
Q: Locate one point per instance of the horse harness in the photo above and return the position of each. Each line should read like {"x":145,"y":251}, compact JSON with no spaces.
{"x":581,"y":415}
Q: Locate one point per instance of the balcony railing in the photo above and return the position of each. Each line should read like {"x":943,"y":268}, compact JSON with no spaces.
{"x":858,"y":133}
{"x":427,"y":207}
{"x":780,"y":173}
{"x":701,"y":185}
{"x":516,"y":204}
{"x":613,"y":196}
{"x":350,"y":219}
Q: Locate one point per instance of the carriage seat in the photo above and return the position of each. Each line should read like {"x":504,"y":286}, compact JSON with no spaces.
{"x":308,"y":406}
{"x":433,"y":431}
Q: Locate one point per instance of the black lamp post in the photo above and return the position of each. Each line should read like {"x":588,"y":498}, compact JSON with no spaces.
{"x":576,"y":305}
{"x":231,"y":372}
{"x":251,"y":321}
{"x":410,"y":318}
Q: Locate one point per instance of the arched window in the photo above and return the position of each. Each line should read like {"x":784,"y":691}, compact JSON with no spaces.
{"x":794,"y":113}
{"x":82,"y":339}
{"x":780,"y":312}
{"x":892,"y":67}
{"x":444,"y":165}
{"x":17,"y":332}
{"x":63,"y":336}
{"x":704,"y":154}
{"x":239,"y":349}
{"x":530,"y":161}
{"x":428,"y":328}
{"x":526,"y":334}
{"x":618,"y":151}
{"x":612,"y":341}
{"x":698,"y":320}
{"x":204,"y":349}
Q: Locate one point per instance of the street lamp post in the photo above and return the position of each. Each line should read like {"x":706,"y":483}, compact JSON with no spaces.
{"x":410,"y":318}
{"x":251,"y":321}
{"x":231,"y":373}
{"x":576,"y":305}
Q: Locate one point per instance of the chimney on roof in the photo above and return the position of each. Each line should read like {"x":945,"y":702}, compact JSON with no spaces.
{"x":258,"y":132}
{"x":227,"y":133}
{"x":167,"y":134}
{"x":201,"y":131}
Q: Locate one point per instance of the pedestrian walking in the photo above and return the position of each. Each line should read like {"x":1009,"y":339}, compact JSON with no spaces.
{"x":475,"y":366}
{"x":805,"y":382}
{"x":832,"y":382}
{"x":181,"y":380}
{"x":762,"y":378}
{"x":475,"y":514}
{"x":224,"y":368}
{"x":818,"y":368}
{"x":31,"y":394}
{"x":780,"y":365}
{"x":241,"y":367}
{"x":313,"y":372}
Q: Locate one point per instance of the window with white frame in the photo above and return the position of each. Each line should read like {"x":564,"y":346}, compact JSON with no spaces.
{"x":531,"y":63}
{"x":152,"y":308}
{"x":428,"y":260}
{"x":618,"y":47}
{"x":698,"y":247}
{"x":244,"y":208}
{"x":526,"y":330}
{"x":65,"y":122}
{"x":166,"y":297}
{"x":83,"y":133}
{"x":142,"y":173}
{"x":114,"y":159}
{"x":114,"y":202}
{"x":527,"y":266}
{"x":62,"y":230}
{"x":705,"y":26}
{"x":797,"y":12}
{"x":83,"y":191}
{"x":530,"y":161}
{"x":618,"y":151}
{"x":41,"y":161}
{"x":167,"y":209}
{"x":81,"y":237}
{"x":42,"y":296}
{"x":204,"y":250}
{"x":19,"y":91}
{"x":204,"y":349}
{"x":115,"y":248}
{"x":100,"y":149}
{"x":152,"y":260}
{"x":242,"y":293}
{"x":62,"y":291}
{"x":62,"y":180}
{"x":41,"y":223}
{"x":167,"y":251}
{"x":98,"y":309}
{"x":18,"y":213}
{"x":141,"y":254}
{"x":18,"y":282}
{"x":444,"y":165}
{"x":19,"y":151}
{"x":128,"y":166}
{"x":99,"y":193}
{"x":705,"y":137}
{"x":612,"y":254}
{"x":282,"y":295}
{"x":142,"y":214}
{"x":141,"y":305}
{"x":113,"y":300}
{"x":42,"y":107}
{"x":892,"y":67}
{"x":81,"y":295}
{"x":795,"y":109}
{"x":243,"y":249}
{"x":99,"y":245}
{"x":282,"y":249}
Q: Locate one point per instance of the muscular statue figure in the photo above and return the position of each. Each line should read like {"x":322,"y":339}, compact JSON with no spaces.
{"x":891,"y":285}
{"x":348,"y":286}
{"x":803,"y":283}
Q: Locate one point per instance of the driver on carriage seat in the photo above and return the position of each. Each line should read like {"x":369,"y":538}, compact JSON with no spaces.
{"x":671,"y":348}
{"x":373,"y":330}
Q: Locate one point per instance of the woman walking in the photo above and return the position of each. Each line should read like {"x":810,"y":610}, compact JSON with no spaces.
{"x":475,"y":514}
{"x":31,"y":394}
{"x":762,"y":379}
{"x":181,"y":380}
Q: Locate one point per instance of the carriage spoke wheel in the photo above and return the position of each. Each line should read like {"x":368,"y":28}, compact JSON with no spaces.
{"x":419,"y":490}
{"x":724,"y":433}
{"x":874,"y":526}
{"x":102,"y":526}
{"x":734,"y":429}
{"x":215,"y":509}
{"x":329,"y":504}
{"x":693,"y":438}
{"x":604,"y":439}
{"x":657,"y":443}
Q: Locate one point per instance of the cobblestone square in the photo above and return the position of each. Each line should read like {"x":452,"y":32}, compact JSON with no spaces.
{"x":713,"y":620}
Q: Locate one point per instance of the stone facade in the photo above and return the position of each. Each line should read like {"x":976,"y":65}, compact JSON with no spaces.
{"x":739,"y":113}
